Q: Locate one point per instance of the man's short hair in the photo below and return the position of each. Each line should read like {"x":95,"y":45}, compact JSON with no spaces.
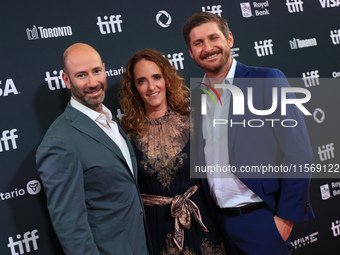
{"x":201,"y":18}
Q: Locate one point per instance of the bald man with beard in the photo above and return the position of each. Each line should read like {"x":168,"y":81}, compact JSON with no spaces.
{"x":88,"y":167}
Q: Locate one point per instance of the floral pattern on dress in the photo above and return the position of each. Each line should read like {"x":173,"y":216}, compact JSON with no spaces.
{"x":163,"y":144}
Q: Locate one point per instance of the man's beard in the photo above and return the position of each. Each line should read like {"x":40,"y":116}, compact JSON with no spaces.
{"x":81,"y":95}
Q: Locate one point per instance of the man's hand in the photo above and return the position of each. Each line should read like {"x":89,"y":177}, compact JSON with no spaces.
{"x":284,"y":227}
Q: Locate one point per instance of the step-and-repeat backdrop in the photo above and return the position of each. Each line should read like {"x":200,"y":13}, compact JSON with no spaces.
{"x":300,"y":37}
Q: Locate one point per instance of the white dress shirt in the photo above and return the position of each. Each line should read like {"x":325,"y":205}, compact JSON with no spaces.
{"x":225,"y":188}
{"x":110,"y":127}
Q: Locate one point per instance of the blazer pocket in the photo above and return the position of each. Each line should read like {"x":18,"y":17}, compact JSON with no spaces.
{"x":111,"y":239}
{"x":109,"y":231}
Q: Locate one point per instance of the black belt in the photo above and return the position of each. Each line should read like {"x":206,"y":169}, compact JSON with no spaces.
{"x":236,"y":211}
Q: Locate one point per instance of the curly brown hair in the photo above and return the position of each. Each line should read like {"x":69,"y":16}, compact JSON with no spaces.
{"x":177,"y":93}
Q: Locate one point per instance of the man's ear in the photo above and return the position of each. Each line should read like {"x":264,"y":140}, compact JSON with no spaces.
{"x":66,"y":80}
{"x":231,"y":40}
{"x":190,"y":52}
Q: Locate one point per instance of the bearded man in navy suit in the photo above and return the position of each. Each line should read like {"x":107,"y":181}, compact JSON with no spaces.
{"x":88,"y":167}
{"x":256,"y":212}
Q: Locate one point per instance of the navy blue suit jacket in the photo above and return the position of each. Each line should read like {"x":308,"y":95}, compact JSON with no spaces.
{"x":269,"y":145}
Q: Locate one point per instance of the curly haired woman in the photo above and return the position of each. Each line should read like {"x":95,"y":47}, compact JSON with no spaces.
{"x":155,"y":101}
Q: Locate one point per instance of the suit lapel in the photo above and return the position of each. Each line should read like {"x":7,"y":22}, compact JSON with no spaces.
{"x":87,"y":126}
{"x":131,"y":151}
{"x":241,"y":82}
{"x":201,"y":141}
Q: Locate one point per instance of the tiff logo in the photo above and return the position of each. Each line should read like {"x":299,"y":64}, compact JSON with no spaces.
{"x":24,"y":244}
{"x":264,"y":48}
{"x":336,"y":228}
{"x":326,"y":151}
{"x":335,"y":35}
{"x":294,"y":6}
{"x":311,"y":78}
{"x":8,"y":135}
{"x":56,"y":81}
{"x":108,"y":26}
{"x":215,"y":9}
{"x":176,"y":59}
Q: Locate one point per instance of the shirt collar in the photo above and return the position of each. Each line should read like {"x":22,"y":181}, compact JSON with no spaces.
{"x":231,"y":74}
{"x":88,"y":111}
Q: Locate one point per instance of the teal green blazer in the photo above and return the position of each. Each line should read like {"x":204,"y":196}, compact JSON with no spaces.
{"x":92,"y":196}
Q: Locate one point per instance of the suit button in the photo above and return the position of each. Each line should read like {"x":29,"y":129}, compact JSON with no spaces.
{"x":307,"y":207}
{"x":141,"y":212}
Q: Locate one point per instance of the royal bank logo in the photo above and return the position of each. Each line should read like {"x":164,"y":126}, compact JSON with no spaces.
{"x":176,"y":60}
{"x":246,"y":10}
{"x":294,"y":6}
{"x":298,"y":43}
{"x":49,"y":32}
{"x":260,"y":9}
{"x":325,"y":192}
{"x":215,"y":9}
{"x":163,"y":18}
{"x":264,"y":48}
{"x":110,"y":25}
{"x":234,"y":52}
{"x":336,"y":185}
{"x":330,"y":190}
